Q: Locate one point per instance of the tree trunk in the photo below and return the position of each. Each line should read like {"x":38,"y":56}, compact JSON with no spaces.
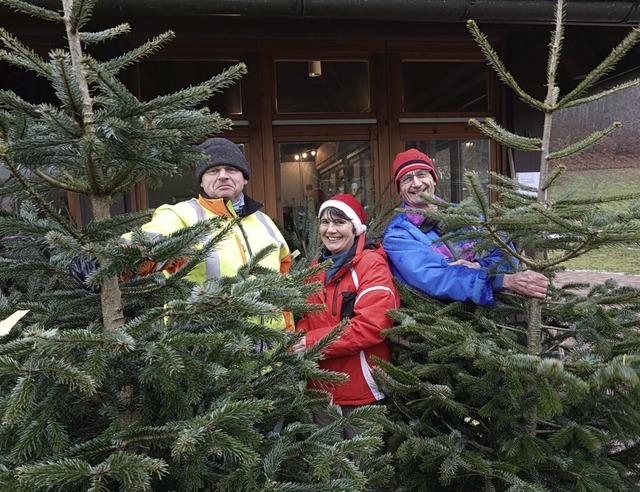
{"x":111,"y":296}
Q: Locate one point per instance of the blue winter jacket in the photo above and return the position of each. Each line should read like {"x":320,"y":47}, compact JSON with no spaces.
{"x":416,"y":259}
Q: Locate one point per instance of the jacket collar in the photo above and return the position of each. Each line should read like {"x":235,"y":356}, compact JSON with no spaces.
{"x":218,"y":206}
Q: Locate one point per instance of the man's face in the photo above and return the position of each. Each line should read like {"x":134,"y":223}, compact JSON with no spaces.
{"x":415,"y":183}
{"x":224,"y":182}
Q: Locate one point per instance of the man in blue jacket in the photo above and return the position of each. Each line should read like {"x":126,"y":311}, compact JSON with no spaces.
{"x":445,"y":271}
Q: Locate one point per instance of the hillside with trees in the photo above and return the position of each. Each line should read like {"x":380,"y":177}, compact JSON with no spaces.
{"x":620,"y":150}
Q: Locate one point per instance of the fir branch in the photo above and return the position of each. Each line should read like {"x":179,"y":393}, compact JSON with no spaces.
{"x":190,"y":122}
{"x":19,"y":403}
{"x":113,"y":340}
{"x":552,"y":176}
{"x":587,"y":142}
{"x":125,"y":439}
{"x":35,"y":196}
{"x":81,"y":13}
{"x":11,"y":100}
{"x":110,"y":85}
{"x":631,"y":295}
{"x":55,"y":118}
{"x":495,"y":61}
{"x":131,"y":470}
{"x":96,"y":231}
{"x":66,"y":83}
{"x":122,"y":181}
{"x":568,"y":225}
{"x":479,"y":194}
{"x":601,"y":70}
{"x":486,"y":222}
{"x":603,"y":94}
{"x":63,"y":373}
{"x":512,"y":182}
{"x":196,"y":94}
{"x":22,"y":56}
{"x":121,"y":62}
{"x":574,"y":252}
{"x":511,"y":328}
{"x":28,"y":8}
{"x":593,"y":201}
{"x":105,"y":35}
{"x":496,"y":132}
{"x":553,"y":60}
{"x":215,"y":430}
{"x":69,"y":186}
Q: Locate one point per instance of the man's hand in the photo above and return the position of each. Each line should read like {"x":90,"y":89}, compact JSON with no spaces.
{"x":300,"y":345}
{"x":529,"y":283}
{"x":80,"y":268}
{"x":470,"y":264}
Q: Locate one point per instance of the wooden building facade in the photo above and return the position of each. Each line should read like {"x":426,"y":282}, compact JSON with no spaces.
{"x":330,"y":98}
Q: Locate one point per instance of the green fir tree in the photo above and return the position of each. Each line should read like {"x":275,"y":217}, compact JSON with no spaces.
{"x":143,"y":382}
{"x":526,"y":395}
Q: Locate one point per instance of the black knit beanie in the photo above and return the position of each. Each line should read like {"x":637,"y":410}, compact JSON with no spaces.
{"x":222,"y":152}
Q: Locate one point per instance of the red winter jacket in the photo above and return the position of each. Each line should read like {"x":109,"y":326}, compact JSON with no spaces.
{"x":363,"y":290}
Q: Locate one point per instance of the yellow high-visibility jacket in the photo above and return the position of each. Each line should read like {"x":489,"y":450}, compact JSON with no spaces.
{"x":253,"y":232}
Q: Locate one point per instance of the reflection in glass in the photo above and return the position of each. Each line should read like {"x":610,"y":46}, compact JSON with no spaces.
{"x":453,"y":158}
{"x":429,"y":86}
{"x":312,"y":172}
{"x":341,"y":87}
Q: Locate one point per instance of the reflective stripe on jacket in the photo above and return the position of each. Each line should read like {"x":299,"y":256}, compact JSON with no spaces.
{"x":363,"y":288}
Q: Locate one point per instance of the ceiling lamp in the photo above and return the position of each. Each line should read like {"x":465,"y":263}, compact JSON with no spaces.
{"x":315,"y":68}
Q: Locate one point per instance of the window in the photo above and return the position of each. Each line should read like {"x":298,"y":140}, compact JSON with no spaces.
{"x":340,"y":87}
{"x":429,"y":86}
{"x":312,"y":172}
{"x":173,"y":189}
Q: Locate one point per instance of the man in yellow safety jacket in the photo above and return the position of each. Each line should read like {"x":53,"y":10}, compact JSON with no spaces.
{"x":222,"y":180}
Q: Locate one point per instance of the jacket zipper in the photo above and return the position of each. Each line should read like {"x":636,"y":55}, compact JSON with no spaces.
{"x":335,"y":297}
{"x":246,"y":239}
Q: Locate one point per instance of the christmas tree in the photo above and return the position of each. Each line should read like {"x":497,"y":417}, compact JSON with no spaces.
{"x":537,"y":395}
{"x":143,"y":382}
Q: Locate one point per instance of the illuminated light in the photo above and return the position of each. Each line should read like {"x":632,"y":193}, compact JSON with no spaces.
{"x":315,"y":68}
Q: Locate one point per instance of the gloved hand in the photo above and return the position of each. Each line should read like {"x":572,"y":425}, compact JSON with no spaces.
{"x":80,"y":268}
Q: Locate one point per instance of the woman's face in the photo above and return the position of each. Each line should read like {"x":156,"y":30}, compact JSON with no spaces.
{"x":337,"y":234}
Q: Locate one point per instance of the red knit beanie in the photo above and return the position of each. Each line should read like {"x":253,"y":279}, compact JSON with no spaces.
{"x":351,"y":208}
{"x":412,"y":160}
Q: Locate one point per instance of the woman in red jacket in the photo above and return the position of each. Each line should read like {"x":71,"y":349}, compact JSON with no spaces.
{"x":357,"y":286}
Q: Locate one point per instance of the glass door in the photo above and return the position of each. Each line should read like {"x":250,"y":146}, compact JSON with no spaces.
{"x":314,"y":171}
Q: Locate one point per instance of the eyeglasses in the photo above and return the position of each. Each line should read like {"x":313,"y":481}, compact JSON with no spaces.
{"x":408,"y":178}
